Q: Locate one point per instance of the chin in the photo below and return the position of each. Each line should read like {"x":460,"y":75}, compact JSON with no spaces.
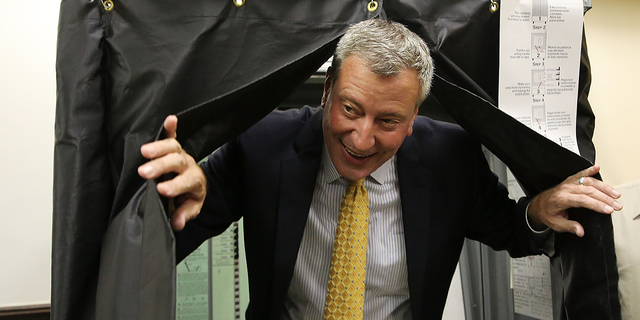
{"x":354,"y":175}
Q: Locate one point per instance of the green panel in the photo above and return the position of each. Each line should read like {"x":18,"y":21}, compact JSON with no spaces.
{"x":212,"y":282}
{"x":192,"y":286}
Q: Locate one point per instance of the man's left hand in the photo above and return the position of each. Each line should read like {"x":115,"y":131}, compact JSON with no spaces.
{"x":580,"y":190}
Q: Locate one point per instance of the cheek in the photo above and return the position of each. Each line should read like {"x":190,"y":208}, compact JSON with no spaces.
{"x":338,"y":124}
{"x":392,"y":142}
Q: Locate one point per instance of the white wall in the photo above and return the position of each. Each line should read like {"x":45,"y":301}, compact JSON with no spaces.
{"x":27,"y":100}
{"x":613,"y":38}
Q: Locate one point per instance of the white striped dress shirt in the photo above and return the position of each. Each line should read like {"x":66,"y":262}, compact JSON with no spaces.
{"x":386,"y":286}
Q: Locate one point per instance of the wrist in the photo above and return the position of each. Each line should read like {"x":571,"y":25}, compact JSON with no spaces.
{"x":533,"y":220}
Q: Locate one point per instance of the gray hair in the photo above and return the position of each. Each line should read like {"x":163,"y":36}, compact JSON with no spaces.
{"x":388,"y":48}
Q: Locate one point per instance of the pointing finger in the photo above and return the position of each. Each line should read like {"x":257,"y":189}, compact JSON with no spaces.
{"x":191,"y":181}
{"x":172,"y":162}
{"x":588,"y":172}
{"x":160,"y":148}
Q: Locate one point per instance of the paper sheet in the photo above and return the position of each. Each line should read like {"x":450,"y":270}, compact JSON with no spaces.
{"x":532,"y":287}
{"x":540,"y":42}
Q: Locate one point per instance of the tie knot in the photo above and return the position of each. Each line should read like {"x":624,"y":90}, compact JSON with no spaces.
{"x":356,"y":182}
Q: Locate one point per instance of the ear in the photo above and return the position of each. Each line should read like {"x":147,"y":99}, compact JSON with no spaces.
{"x":327,"y":86}
{"x":415,"y":114}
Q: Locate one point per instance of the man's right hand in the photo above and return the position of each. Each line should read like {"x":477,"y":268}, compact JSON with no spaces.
{"x":189,"y":188}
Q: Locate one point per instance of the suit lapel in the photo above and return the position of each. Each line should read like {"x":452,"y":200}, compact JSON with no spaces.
{"x":416,"y":192}
{"x":297,"y":181}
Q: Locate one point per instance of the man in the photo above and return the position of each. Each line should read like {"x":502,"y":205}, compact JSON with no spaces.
{"x":427,"y":186}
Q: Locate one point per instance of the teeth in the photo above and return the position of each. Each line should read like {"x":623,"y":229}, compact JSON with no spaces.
{"x":354,"y":154}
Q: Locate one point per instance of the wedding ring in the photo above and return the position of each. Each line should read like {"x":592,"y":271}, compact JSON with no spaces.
{"x":581,"y":181}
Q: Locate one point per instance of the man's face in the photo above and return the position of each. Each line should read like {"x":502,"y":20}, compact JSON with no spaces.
{"x":366,"y":116}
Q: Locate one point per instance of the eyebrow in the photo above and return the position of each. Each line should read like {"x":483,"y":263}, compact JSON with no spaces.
{"x":350,"y":99}
{"x":392,"y":115}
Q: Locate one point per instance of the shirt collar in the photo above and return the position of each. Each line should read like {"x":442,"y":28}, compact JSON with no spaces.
{"x":331,"y":174}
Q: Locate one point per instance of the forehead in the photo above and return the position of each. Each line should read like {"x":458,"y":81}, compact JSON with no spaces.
{"x":357,"y":81}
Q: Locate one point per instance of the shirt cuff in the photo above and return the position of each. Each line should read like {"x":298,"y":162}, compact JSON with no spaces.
{"x":526,"y":217}
{"x":545,"y":239}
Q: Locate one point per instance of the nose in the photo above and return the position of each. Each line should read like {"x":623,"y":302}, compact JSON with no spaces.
{"x":363,"y":136}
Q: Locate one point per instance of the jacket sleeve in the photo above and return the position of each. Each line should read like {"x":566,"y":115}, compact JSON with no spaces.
{"x":223,"y":170}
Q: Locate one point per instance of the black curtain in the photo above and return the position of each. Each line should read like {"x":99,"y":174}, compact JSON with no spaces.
{"x":124,"y":65}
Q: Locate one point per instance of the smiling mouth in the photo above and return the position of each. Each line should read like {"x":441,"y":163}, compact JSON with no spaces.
{"x":356,"y":155}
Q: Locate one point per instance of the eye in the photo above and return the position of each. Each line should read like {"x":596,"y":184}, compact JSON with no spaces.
{"x":349,"y":109}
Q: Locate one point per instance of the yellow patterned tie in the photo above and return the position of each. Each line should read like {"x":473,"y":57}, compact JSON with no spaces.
{"x":345,"y":292}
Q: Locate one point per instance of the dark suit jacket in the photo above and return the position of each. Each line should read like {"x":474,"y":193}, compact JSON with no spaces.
{"x":267,"y":175}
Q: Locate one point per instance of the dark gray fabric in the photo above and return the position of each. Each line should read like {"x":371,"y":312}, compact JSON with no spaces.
{"x":137,"y":264}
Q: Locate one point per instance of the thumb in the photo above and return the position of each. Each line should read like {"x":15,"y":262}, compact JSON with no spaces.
{"x":565,"y":225}
{"x":171,"y":126}
{"x":177,"y":222}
